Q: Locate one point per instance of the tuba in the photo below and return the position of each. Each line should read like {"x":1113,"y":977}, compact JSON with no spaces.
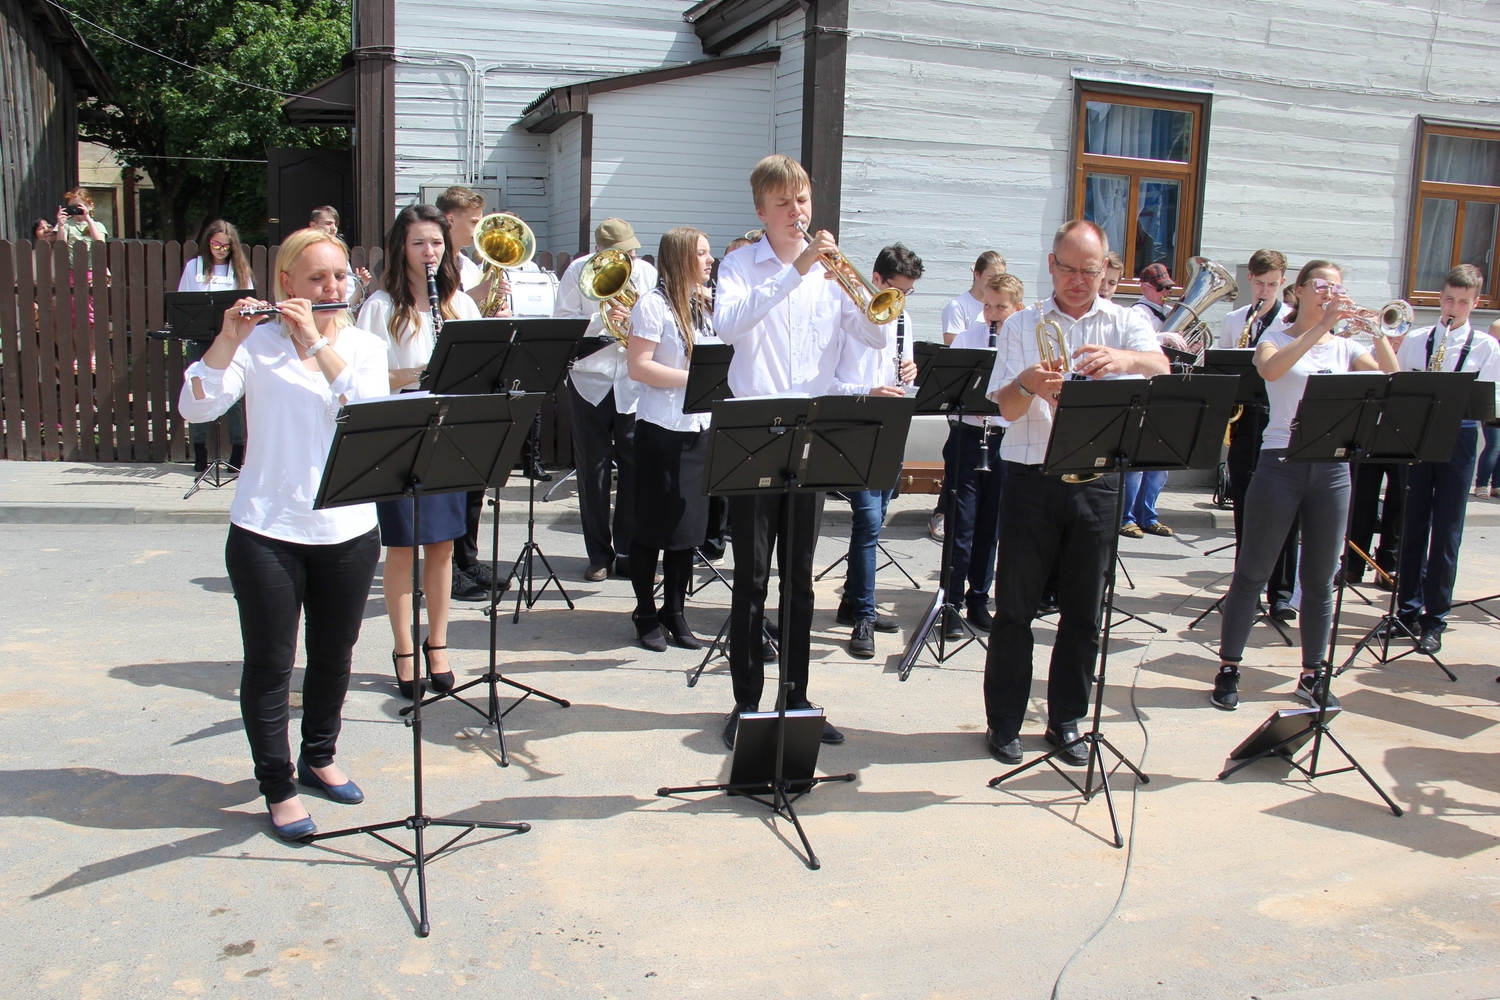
{"x":606,"y":279}
{"x":1207,"y":283}
{"x":880,"y":305}
{"x":501,"y":241}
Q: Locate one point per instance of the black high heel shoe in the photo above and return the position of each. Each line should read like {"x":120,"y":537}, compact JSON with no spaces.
{"x":441,"y":683}
{"x":648,"y":631}
{"x":677,"y":627}
{"x":408,"y":689}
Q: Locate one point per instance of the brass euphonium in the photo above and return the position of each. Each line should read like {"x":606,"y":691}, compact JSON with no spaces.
{"x":606,"y":280}
{"x":1206,"y":284}
{"x":880,"y":305}
{"x":501,"y":241}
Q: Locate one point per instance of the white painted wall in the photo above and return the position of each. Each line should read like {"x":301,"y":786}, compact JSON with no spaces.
{"x":784,"y":33}
{"x":958,"y":122}
{"x":679,"y":153}
{"x":564,"y":179}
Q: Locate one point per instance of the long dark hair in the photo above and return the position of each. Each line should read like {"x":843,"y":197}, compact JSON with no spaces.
{"x":1303,"y":277}
{"x":239,"y":264}
{"x":406,"y":318}
{"x":677,"y":256}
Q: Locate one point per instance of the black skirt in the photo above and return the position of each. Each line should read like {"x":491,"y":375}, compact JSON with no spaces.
{"x":671,"y":511}
{"x":442,"y":520}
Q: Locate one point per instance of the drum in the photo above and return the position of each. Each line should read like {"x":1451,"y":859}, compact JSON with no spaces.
{"x":532,"y":293}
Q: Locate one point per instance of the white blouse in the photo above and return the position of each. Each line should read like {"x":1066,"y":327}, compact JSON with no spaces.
{"x":1335,"y":356}
{"x":290,"y":411}
{"x":414,"y":350}
{"x":220,"y":277}
{"x":652,"y":320}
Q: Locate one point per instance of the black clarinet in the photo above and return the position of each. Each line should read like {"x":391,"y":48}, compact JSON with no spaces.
{"x":432,"y":300}
{"x":984,"y":438}
{"x":900,"y":349}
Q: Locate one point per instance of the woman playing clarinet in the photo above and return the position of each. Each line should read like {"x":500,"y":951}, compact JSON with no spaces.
{"x":403,"y":312}
{"x":670,"y":446}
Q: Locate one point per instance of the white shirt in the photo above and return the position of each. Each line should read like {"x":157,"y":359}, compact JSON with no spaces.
{"x":861,"y":368}
{"x":220,"y":278}
{"x":1151,"y":314}
{"x":1483,"y":355}
{"x":1333,"y":357}
{"x":1105,"y":324}
{"x":605,"y":369}
{"x":977,"y":334}
{"x":1229,"y":332}
{"x":961,"y":313}
{"x":469,"y":273}
{"x":787,"y":329}
{"x":411,"y":350}
{"x":290,"y":412}
{"x":652,"y":320}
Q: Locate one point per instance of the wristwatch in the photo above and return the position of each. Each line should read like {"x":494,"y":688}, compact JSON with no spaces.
{"x":316,"y":346}
{"x":1024,"y":391}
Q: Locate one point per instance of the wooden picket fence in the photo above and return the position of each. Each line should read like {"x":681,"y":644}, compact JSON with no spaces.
{"x":83,"y":379}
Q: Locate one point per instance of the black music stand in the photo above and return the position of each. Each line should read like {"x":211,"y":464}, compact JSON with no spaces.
{"x":1417,"y":416}
{"x":1169,"y":422}
{"x":507,"y":355}
{"x":404,"y":447}
{"x":1250,"y":394}
{"x":196,"y":318}
{"x":951,"y":381}
{"x":792,"y":446}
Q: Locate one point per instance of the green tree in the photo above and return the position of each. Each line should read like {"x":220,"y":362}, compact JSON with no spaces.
{"x":184,"y":125}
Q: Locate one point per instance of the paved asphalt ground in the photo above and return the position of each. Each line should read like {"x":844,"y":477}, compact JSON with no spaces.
{"x":137,"y":860}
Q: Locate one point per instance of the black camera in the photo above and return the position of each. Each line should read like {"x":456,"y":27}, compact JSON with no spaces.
{"x":73,"y":209}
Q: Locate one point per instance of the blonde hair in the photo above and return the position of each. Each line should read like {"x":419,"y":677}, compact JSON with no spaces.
{"x":1113,"y":262}
{"x":677,"y":257}
{"x":291,"y":252}
{"x":1007,"y":284}
{"x":777,"y":173}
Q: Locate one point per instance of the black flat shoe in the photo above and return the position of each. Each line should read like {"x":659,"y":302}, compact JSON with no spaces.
{"x":1077,"y":754}
{"x":408,"y":689}
{"x":677,"y":627}
{"x":441,"y":683}
{"x":1005,"y":751}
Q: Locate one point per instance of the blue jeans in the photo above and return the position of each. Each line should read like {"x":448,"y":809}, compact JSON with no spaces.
{"x":867,"y":509}
{"x":1141,"y":491}
{"x":1487,"y":472}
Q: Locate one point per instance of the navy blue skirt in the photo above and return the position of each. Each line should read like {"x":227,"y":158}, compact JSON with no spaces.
{"x":442,"y":520}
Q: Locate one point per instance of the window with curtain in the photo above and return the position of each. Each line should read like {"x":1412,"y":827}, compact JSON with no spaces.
{"x":1456,"y":210}
{"x":1138,"y":159}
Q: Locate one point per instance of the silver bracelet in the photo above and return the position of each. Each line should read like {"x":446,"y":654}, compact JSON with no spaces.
{"x":316,"y":346}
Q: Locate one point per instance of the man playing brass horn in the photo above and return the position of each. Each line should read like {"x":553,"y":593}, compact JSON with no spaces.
{"x":1045,"y":521}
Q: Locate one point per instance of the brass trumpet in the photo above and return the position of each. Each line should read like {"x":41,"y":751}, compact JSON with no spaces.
{"x":606,"y":279}
{"x":1393,"y":319}
{"x":880,"y":305}
{"x":501,"y":241}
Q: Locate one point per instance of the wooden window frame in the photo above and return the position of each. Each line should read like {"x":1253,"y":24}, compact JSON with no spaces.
{"x":1489,"y":297}
{"x":1191,"y":173}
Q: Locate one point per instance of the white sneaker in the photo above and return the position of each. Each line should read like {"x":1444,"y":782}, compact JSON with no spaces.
{"x":935,"y":526}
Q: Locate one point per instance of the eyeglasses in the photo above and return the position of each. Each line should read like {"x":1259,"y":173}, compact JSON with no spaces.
{"x":218,"y":245}
{"x":1320,"y":286}
{"x":1069,"y":271}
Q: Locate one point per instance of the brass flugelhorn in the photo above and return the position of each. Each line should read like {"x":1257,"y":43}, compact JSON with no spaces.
{"x":606,"y":279}
{"x":880,"y":305}
{"x":501,"y":241}
{"x":1052,"y":347}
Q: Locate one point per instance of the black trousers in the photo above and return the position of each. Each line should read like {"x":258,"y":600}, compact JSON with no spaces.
{"x":1045,"y":522}
{"x":1244,"y":453}
{"x":602,"y":435}
{"x":975,"y":520}
{"x":276,"y":583}
{"x":1436,"y":503}
{"x":1371,"y":512}
{"x":756,"y":523}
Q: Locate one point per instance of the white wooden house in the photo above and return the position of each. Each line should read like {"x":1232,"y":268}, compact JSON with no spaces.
{"x":1365,"y":131}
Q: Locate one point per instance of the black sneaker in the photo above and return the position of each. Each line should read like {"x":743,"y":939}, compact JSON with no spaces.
{"x":1283,"y":612}
{"x":466,"y":588}
{"x":862,"y":639}
{"x":980,"y":617}
{"x":1226,"y":692}
{"x":953,"y":625}
{"x":1312,"y":688}
{"x":845,"y":616}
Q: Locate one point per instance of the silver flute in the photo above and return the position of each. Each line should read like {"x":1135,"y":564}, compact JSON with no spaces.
{"x":276,"y":310}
